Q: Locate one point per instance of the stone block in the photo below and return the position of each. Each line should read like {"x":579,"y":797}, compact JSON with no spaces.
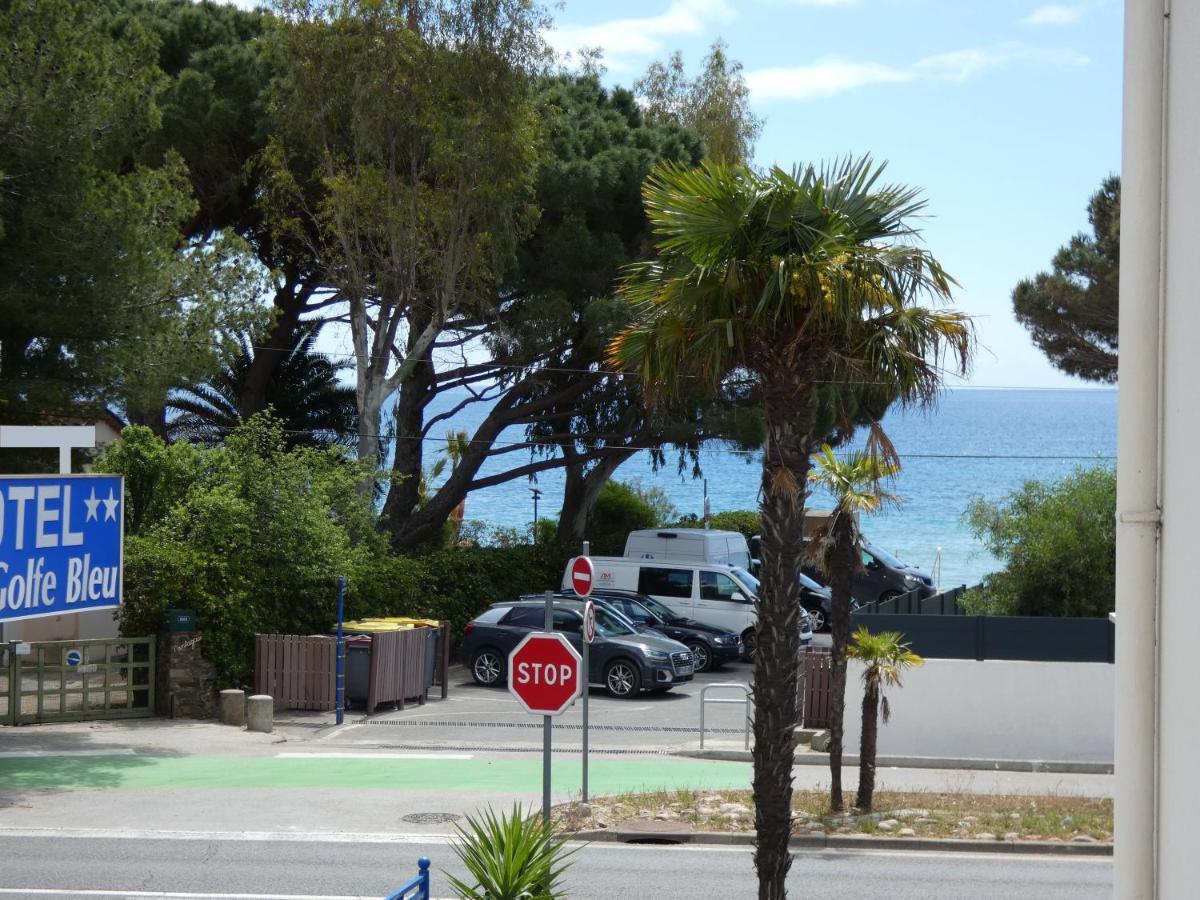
{"x":233,"y":708}
{"x":260,"y":713}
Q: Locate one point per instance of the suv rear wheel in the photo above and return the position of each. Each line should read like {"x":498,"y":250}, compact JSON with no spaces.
{"x":622,"y":679}
{"x":487,"y":667}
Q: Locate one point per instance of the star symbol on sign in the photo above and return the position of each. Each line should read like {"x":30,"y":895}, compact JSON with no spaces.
{"x":110,"y":507}
{"x":91,"y":503}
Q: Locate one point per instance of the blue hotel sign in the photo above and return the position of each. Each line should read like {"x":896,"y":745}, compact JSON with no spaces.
{"x":60,"y":544}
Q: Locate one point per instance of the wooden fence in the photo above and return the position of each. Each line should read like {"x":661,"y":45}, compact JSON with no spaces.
{"x":816,"y":668}
{"x":299,"y":672}
{"x":398,"y":667}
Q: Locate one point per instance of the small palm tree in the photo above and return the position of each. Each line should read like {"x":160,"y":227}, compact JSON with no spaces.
{"x":304,"y":393}
{"x":510,"y":857}
{"x":855,"y":482}
{"x":885,"y":656}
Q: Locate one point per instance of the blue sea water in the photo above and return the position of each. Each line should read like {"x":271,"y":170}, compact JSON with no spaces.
{"x":974,"y":443}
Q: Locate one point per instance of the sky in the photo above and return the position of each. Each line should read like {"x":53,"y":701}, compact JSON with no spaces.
{"x":1007,"y":113}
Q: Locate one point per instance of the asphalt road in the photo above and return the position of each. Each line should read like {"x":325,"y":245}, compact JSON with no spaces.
{"x":38,"y":867}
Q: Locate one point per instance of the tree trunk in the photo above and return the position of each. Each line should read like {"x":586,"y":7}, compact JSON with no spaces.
{"x":777,"y":635}
{"x":273,"y":347}
{"x":404,"y":491}
{"x":581,"y":492}
{"x":843,"y":562}
{"x":866,"y":753}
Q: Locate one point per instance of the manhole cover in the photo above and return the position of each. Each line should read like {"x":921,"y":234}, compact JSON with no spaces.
{"x":429,"y":818}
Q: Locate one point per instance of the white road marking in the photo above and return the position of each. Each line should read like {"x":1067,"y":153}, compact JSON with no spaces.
{"x":180,"y":895}
{"x":337,"y":731}
{"x":371,"y":755}
{"x":37,"y":754}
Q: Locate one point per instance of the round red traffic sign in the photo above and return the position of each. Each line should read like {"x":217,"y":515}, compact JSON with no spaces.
{"x":545,"y":673}
{"x":582,"y":575}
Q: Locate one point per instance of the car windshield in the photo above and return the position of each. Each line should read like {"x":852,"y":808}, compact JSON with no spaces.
{"x":608,"y":625}
{"x":746,"y":579}
{"x":810,"y":583}
{"x":884,"y":557}
{"x":661,"y":610}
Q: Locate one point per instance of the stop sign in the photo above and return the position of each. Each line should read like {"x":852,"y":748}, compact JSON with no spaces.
{"x":581,"y":575}
{"x":545,"y":673}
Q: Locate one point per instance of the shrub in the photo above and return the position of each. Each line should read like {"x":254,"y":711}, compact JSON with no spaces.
{"x":1058,"y":543}
{"x":619,"y":510}
{"x":510,"y":857}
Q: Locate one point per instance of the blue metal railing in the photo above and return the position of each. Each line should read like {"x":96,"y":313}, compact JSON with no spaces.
{"x":418,"y":888}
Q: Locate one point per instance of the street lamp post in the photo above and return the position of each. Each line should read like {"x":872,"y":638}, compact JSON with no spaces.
{"x":536,"y":494}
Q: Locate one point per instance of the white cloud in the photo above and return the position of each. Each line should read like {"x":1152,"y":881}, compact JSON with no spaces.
{"x":1054,"y":14}
{"x":830,"y":76}
{"x":626,"y":39}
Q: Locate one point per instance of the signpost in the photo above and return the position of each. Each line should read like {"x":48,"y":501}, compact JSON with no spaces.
{"x":545,"y":674}
{"x":582,"y":579}
{"x":61,"y":539}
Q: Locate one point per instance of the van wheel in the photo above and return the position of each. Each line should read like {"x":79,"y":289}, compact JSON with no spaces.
{"x":622,"y":679}
{"x":749,"y":644}
{"x":487,"y":667}
{"x":701,"y":655}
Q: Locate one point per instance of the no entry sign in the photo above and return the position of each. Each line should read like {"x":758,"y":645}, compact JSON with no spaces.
{"x":545,"y":673}
{"x":582,"y":576}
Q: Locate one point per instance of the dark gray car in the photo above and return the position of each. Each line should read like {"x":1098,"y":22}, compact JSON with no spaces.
{"x":622,"y":660}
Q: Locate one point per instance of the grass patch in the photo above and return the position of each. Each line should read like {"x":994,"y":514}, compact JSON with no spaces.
{"x":928,"y":814}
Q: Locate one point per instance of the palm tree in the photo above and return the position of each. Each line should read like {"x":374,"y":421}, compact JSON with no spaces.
{"x":304,"y":393}
{"x":800,"y":280}
{"x":855,"y":483}
{"x":885,"y":657}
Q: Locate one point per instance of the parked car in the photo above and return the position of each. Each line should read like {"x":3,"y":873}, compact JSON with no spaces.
{"x":712,"y":593}
{"x":817,"y":600}
{"x":711,"y":646}
{"x":621,"y":659}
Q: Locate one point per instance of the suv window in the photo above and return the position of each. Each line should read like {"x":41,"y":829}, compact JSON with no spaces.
{"x":525,"y":617}
{"x":665,"y":582}
{"x":715,"y":586}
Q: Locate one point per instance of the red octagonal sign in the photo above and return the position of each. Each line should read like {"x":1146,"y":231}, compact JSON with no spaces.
{"x":545,"y":673}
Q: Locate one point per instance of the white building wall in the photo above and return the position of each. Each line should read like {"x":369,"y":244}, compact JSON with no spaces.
{"x":996,"y":709}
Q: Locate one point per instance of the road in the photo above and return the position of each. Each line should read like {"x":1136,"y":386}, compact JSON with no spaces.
{"x":233,"y":868}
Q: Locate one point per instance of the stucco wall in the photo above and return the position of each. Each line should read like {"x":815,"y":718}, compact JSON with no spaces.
{"x":996,"y":709}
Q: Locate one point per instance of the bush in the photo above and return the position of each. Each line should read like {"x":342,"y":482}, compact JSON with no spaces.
{"x":619,"y":510}
{"x":510,"y":857}
{"x":1058,"y":543}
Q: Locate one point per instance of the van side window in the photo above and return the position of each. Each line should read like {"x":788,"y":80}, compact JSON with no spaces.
{"x":715,"y":586}
{"x":665,"y":582}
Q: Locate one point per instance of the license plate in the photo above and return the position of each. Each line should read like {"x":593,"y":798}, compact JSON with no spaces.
{"x":684,"y":670}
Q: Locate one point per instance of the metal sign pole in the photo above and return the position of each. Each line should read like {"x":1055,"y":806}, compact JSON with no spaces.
{"x":341,"y":651}
{"x":587,"y":680}
{"x":546,"y":727}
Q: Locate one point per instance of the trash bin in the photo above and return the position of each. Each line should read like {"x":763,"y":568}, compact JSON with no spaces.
{"x":358,"y":668}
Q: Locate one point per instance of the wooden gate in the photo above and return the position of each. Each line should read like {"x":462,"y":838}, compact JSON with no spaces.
{"x":72,"y":681}
{"x":816,"y":669}
{"x":299,"y":672}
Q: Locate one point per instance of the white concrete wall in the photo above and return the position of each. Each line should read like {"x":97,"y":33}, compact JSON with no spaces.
{"x":995,"y":709}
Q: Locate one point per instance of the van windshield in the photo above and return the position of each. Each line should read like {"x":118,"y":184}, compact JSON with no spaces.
{"x":739,"y":560}
{"x":746,"y":579}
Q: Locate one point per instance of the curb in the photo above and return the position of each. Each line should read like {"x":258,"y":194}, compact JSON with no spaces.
{"x":922,"y":762}
{"x":850,"y":842}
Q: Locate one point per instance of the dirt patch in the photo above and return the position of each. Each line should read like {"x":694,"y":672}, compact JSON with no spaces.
{"x":1045,"y":817}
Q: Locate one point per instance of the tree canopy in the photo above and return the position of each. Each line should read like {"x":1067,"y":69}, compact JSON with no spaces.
{"x":1057,"y":541}
{"x":1071,"y":311}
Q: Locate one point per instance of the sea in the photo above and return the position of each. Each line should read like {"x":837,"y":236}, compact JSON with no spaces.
{"x":975,"y":442}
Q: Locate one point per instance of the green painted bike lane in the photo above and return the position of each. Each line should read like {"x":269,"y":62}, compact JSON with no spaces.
{"x":607,"y":776}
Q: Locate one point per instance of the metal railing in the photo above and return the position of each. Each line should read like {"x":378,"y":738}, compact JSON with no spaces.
{"x":418,"y":888}
{"x":745,"y":701}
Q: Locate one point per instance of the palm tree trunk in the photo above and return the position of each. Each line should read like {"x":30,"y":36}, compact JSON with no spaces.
{"x":842,"y":566}
{"x":776,"y":665}
{"x":866,"y":753}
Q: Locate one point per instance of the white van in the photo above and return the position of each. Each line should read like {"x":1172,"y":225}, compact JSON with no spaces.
{"x":691,"y":544}
{"x":707,"y":592}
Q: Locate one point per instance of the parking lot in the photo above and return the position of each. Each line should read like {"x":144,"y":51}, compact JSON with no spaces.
{"x":477,"y":718}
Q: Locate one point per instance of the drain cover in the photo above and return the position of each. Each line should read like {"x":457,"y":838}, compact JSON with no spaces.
{"x":430,"y":818}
